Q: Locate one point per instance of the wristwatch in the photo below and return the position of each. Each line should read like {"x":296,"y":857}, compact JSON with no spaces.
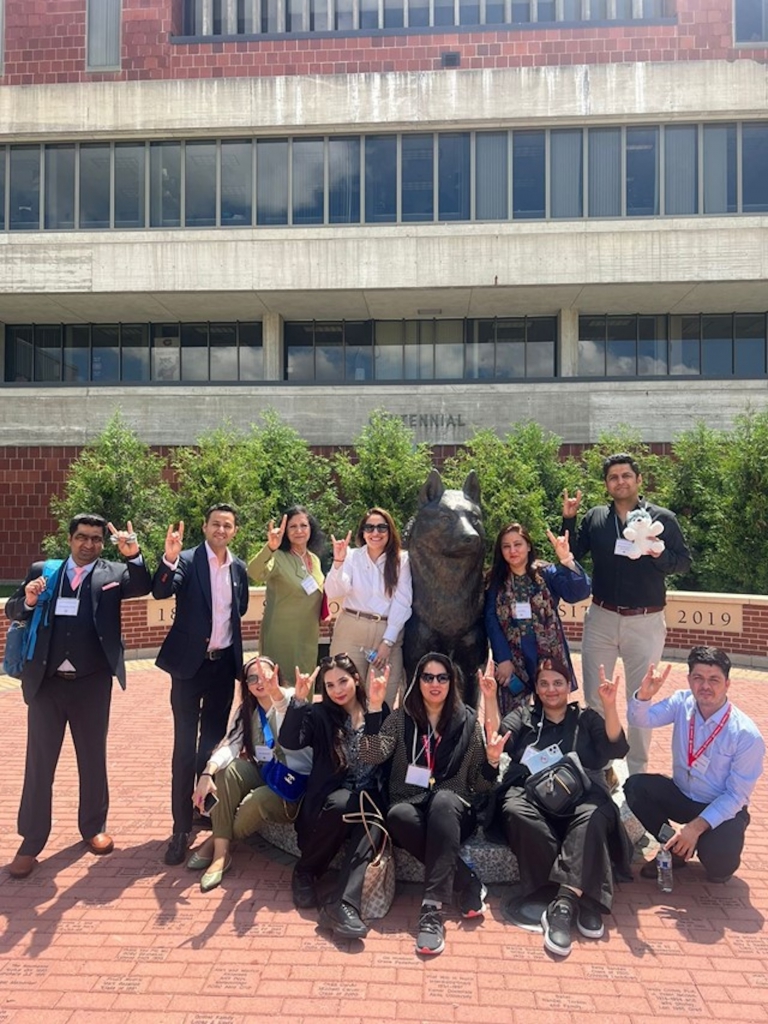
{"x":390,"y":643}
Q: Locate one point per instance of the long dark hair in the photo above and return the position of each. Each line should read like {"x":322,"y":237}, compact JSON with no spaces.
{"x":316,"y":538}
{"x":392,"y":549}
{"x":338,"y":715}
{"x":499,"y":571}
{"x":413,"y":704}
{"x":248,"y":703}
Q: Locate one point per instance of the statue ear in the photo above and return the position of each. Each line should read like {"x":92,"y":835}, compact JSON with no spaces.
{"x":472,"y":487}
{"x":433,"y":489}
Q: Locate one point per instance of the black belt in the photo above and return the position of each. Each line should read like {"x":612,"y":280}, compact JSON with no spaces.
{"x":65,"y":674}
{"x":624,"y":610}
{"x":217,"y":655}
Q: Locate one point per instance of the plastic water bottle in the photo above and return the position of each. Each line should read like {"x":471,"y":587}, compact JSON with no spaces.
{"x":664,"y":878}
{"x":370,"y":655}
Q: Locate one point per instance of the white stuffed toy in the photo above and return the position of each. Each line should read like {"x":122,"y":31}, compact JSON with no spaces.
{"x":643,"y":533}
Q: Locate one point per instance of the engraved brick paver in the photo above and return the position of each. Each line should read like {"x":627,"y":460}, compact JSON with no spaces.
{"x":127,"y":939}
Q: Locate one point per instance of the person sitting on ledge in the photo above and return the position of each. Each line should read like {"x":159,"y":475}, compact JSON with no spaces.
{"x":717,"y":757}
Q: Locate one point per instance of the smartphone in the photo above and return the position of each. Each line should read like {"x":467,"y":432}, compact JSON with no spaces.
{"x":209,"y":803}
{"x":666,"y":832}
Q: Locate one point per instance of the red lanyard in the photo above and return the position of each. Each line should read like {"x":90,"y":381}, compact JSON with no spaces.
{"x":695,"y":755}
{"x":429,"y":754}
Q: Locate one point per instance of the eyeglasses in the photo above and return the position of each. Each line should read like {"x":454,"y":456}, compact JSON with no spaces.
{"x":334,"y":659}
{"x":435,"y":677}
{"x":559,"y":684}
{"x":252,"y":680}
{"x":375,"y":528}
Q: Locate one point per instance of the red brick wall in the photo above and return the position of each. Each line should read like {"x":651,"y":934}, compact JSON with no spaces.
{"x":45,"y":42}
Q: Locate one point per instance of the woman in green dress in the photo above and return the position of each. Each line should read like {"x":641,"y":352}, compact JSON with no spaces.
{"x":289,"y":565}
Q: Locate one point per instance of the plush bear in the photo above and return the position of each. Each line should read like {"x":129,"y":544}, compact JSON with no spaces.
{"x":643,"y":533}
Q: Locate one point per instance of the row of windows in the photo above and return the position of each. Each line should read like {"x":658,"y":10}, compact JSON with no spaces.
{"x":675,"y":170}
{"x":253,"y":17}
{"x":510,"y":348}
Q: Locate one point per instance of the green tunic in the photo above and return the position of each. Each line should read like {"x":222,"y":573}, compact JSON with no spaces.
{"x":290,"y":628}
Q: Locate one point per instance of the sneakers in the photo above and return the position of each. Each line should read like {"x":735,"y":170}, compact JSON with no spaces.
{"x":177,"y":848}
{"x":590,"y":922}
{"x":472,"y":899}
{"x":303,"y":890}
{"x":556,"y":922}
{"x":343,"y":920}
{"x":431,"y":937}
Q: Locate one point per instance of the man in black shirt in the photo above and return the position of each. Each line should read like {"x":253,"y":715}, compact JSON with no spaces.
{"x":626,"y":618}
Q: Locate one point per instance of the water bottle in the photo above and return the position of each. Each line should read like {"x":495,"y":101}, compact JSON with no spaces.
{"x":664,"y":870}
{"x":370,"y":655}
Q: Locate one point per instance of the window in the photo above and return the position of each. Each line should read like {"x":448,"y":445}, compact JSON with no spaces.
{"x":528,"y":179}
{"x":200,"y":184}
{"x":751,"y":21}
{"x":130,"y":188}
{"x":622,"y":346}
{"x":681,"y":170}
{"x":380,"y":179}
{"x":308,"y":181}
{"x":24,"y":188}
{"x":642,"y":172}
{"x":165,"y":185}
{"x":271,"y":181}
{"x":103,"y":34}
{"x":59,"y":187}
{"x":417,"y":178}
{"x":604,"y":172}
{"x":344,"y":181}
{"x":754,"y":159}
{"x":720,"y":168}
{"x":94,"y":186}
{"x":453,"y":176}
{"x":236,"y":184}
{"x":491,"y":176}
{"x":566,"y":175}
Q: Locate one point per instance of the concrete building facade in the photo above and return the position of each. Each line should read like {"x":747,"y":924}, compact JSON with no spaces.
{"x":466,"y":212}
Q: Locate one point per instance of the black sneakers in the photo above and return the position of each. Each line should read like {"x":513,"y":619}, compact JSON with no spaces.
{"x":431,"y":937}
{"x":177,"y":848}
{"x":303,"y":890}
{"x":343,"y":920}
{"x":472,"y":899}
{"x":590,"y":922}
{"x":556,"y":921}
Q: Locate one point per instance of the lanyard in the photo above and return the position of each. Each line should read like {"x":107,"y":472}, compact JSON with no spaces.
{"x":429,"y":754}
{"x":269,"y":738}
{"x":695,"y":755}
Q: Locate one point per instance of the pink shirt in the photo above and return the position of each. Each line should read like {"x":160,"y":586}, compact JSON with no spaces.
{"x":221,"y":600}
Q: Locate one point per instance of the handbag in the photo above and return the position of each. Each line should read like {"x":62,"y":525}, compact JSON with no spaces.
{"x":559,"y":787}
{"x":379,"y":882}
{"x":288,"y":784}
{"x":21,"y":638}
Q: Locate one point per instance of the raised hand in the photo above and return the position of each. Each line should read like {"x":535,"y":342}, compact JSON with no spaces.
{"x":494,"y":744}
{"x":562,"y":547}
{"x":174,"y":541}
{"x":271,"y":677}
{"x":486,"y":680}
{"x":607,"y":689}
{"x":652,"y":682}
{"x":571,"y":505}
{"x":340,"y":547}
{"x":275,"y":533}
{"x":33,"y":590}
{"x":377,"y":688}
{"x":304,"y":683}
{"x":125,"y":540}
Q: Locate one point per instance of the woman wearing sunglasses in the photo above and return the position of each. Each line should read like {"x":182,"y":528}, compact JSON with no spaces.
{"x":374,"y":581}
{"x":234,"y":774}
{"x":440,"y":762}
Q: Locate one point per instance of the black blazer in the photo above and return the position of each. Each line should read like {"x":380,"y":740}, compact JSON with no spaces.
{"x":132,"y":580}
{"x":183,"y":650}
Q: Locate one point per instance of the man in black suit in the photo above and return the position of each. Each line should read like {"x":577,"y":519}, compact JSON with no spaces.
{"x":69,"y":678}
{"x":203,"y":652}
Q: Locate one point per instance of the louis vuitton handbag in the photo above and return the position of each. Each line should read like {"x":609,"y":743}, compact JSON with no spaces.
{"x":379,"y":883}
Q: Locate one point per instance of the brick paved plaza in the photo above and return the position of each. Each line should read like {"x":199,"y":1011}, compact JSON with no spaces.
{"x":124,"y":939}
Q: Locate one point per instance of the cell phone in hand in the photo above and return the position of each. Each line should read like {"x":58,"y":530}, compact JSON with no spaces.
{"x":666,"y":832}
{"x":209,"y":803}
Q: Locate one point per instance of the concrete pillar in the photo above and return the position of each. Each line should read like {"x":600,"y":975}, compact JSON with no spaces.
{"x":272,"y":340}
{"x":568,"y":356}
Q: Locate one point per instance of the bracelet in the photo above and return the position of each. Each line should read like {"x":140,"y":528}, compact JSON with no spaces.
{"x":206,"y":775}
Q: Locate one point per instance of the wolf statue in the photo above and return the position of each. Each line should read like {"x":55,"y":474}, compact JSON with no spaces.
{"x":446,"y":547}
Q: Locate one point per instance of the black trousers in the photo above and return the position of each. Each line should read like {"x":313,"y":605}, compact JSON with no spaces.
{"x":321,"y":841}
{"x":655,"y":799}
{"x":569,"y":851}
{"x":433,"y":832}
{"x":84,"y":705}
{"x":201,"y":708}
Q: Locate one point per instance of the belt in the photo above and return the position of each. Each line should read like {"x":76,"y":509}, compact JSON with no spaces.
{"x":64,"y":674}
{"x":218,"y":654}
{"x":624,"y":610}
{"x":365,"y":615}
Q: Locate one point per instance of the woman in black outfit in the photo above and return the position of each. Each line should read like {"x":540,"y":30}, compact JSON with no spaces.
{"x":333,"y":730}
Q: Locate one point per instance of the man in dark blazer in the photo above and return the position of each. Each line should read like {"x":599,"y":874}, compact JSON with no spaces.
{"x":68,"y":681}
{"x":203,"y":652}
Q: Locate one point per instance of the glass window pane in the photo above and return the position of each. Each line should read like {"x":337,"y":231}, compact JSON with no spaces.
{"x":598,"y":10}
{"x":105,"y":353}
{"x":417,"y":157}
{"x":453,"y":176}
{"x":77,"y":352}
{"x":592,"y":346}
{"x":571,"y":10}
{"x":166,"y":352}
{"x":566,"y":173}
{"x":720,"y":168}
{"x":308,"y":179}
{"x":604,"y":172}
{"x":469,"y":12}
{"x":750,"y":21}
{"x":717,"y":346}
{"x":418,"y":13}
{"x":103,"y":33}
{"x":419,"y":349}
{"x":369,"y":13}
{"x":389,"y":349}
{"x":521,"y":12}
{"x":343,"y":15}
{"x":449,"y":349}
{"x":165,"y":184}
{"x":545,"y":10}
{"x":344,"y":181}
{"x":129,"y":185}
{"x":299,"y":351}
{"x":223,"y":351}
{"x":444,"y":12}
{"x":393,"y":13}
{"x":236,"y":184}
{"x":59,"y":187}
{"x":491,"y":176}
{"x":528,"y":175}
{"x":271,"y":181}
{"x":621,"y":346}
{"x":200,"y":185}
{"x":318,"y":15}
{"x":623,"y":9}
{"x":749,"y":345}
{"x":25,"y":188}
{"x":246,"y":23}
{"x":19,"y":354}
{"x":652,"y":346}
{"x":294,"y":16}
{"x":642,"y":172}
{"x":754,"y":162}
{"x":2,"y":183}
{"x":681,"y":169}
{"x":358,"y":351}
{"x":380,"y":179}
{"x":251,"y":351}
{"x":329,"y":352}
{"x":494,"y":12}
{"x":684,"y":345}
{"x":194,"y":352}
{"x":269,"y":16}
{"x":510,"y":348}
{"x":94,"y":186}
{"x":480,"y":349}
{"x":48,"y":352}
{"x":134,"y":346}
{"x":542,"y":343}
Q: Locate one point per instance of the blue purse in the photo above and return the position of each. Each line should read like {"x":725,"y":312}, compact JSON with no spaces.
{"x":21,"y":638}
{"x":287,"y":783}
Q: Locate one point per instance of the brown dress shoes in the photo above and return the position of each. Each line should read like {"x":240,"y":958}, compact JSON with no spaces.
{"x":100,"y":844}
{"x":22,"y":865}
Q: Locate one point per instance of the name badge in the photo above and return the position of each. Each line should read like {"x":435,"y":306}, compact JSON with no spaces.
{"x":309,"y":585}
{"x":67,"y":606}
{"x":536,"y":760}
{"x":700,"y":765}
{"x":522,"y":609}
{"x":418,"y":776}
{"x":623,"y":547}
{"x":263,"y":753}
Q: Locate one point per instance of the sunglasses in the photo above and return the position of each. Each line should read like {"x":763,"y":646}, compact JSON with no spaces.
{"x":334,"y":659}
{"x":435,"y":677}
{"x":375,"y":528}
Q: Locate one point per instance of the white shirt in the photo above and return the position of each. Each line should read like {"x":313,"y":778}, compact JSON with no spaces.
{"x":221,"y":600}
{"x":360,"y":582}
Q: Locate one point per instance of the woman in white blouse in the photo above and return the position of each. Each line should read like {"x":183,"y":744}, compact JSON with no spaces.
{"x":374,"y":581}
